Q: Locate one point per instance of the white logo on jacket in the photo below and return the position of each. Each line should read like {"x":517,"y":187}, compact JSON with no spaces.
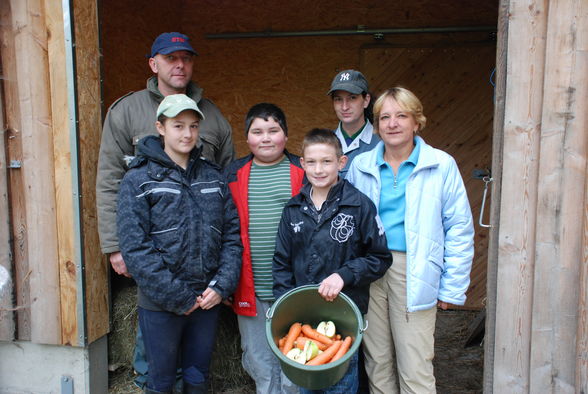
{"x":342,"y":227}
{"x":296,"y":226}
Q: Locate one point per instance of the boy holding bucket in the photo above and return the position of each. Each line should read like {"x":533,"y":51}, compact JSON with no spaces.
{"x":330,"y":235}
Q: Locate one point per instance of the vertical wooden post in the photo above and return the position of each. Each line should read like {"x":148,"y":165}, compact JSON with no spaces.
{"x":33,"y":98}
{"x":497,"y":152}
{"x":88,"y":58}
{"x":516,"y":253}
{"x":13,"y":141}
{"x":69,"y":266}
{"x":6,"y":287}
{"x":561,"y":185}
{"x":581,"y":103}
{"x":582,"y":336}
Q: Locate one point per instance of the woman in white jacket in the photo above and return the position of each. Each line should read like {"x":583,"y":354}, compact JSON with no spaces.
{"x":423,"y":204}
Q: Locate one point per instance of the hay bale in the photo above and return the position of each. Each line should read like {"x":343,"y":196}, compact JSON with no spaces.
{"x":121,"y":340}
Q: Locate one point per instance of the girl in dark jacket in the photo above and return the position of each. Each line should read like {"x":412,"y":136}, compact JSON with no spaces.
{"x":179,"y":235}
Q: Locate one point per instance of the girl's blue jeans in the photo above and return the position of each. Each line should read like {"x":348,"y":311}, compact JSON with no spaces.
{"x":168,"y":336}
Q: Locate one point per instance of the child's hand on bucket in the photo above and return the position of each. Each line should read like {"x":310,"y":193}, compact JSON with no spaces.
{"x":331,"y":286}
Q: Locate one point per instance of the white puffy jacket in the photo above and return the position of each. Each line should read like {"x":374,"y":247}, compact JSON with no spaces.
{"x":438,"y":225}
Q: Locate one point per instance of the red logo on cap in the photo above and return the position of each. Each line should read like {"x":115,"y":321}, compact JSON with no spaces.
{"x":178,"y":39}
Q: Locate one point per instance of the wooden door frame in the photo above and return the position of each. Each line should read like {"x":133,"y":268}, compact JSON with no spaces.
{"x":497,"y":153}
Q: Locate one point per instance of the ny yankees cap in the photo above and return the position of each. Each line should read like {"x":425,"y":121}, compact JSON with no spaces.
{"x":167,"y":43}
{"x":351,"y":81}
{"x":173,"y":104}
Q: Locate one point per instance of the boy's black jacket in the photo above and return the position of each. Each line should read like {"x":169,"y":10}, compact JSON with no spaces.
{"x":178,"y":230}
{"x":344,"y":237}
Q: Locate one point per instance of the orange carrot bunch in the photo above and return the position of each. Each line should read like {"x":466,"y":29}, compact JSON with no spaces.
{"x":306,"y":345}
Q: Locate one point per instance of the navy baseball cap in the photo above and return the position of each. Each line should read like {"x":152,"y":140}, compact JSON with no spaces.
{"x":167,"y":43}
{"x":351,"y":81}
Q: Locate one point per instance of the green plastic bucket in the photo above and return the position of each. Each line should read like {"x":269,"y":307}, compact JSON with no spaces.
{"x":305,"y":305}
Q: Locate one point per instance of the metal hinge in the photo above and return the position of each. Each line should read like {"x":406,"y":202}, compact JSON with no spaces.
{"x":15,"y":164}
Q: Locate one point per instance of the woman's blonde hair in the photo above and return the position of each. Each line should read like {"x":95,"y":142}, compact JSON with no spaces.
{"x":406,"y":100}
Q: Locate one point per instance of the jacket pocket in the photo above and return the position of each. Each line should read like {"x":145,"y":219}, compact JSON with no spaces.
{"x":168,"y":243}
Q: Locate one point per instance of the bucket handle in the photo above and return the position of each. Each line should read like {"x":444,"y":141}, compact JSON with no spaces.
{"x":362,"y":330}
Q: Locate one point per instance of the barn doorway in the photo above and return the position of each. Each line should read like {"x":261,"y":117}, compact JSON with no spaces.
{"x":451,"y":71}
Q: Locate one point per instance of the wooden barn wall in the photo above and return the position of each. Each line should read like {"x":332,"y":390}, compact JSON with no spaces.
{"x":540,"y":337}
{"x":42,"y":194}
{"x":295,"y":73}
{"x":32,"y":183}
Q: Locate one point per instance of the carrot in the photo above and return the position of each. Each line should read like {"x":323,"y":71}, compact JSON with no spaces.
{"x":301,"y":340}
{"x":342,"y":350}
{"x":293,"y":333}
{"x":281,"y":343}
{"x":311,"y":333}
{"x":338,"y":336}
{"x":327,"y":355}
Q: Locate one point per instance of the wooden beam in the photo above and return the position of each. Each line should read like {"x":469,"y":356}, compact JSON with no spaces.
{"x":6,"y":288}
{"x":21,"y":273}
{"x":69,"y":266}
{"x":582,"y":338}
{"x":561,"y":185}
{"x":32,"y":81}
{"x":581,"y":104}
{"x":497,"y":158}
{"x":88,"y":60}
{"x":518,"y":208}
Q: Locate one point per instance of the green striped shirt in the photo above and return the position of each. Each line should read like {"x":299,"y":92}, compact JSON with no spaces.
{"x":269,"y":191}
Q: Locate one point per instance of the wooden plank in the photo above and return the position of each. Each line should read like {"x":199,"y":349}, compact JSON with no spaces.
{"x":518,"y":208}
{"x":21,"y":273}
{"x":582,"y":339}
{"x":88,"y":57}
{"x":582,"y":118}
{"x":497,"y":159}
{"x":37,"y":168}
{"x":561,"y":185}
{"x":7,"y":322}
{"x":64,"y":205}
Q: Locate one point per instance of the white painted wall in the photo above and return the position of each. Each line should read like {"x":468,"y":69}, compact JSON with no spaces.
{"x":29,"y":368}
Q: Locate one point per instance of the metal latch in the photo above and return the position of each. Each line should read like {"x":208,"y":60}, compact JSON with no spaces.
{"x":486,"y":176}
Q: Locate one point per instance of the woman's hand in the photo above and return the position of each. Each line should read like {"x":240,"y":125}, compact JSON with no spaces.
{"x":442,"y":305}
{"x":331,"y":286}
{"x":209,"y":299}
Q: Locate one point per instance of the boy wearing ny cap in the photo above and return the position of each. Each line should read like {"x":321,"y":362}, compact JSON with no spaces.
{"x":179,"y":236}
{"x":352,"y":104}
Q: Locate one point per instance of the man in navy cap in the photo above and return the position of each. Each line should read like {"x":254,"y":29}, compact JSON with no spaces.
{"x":132,"y":117}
